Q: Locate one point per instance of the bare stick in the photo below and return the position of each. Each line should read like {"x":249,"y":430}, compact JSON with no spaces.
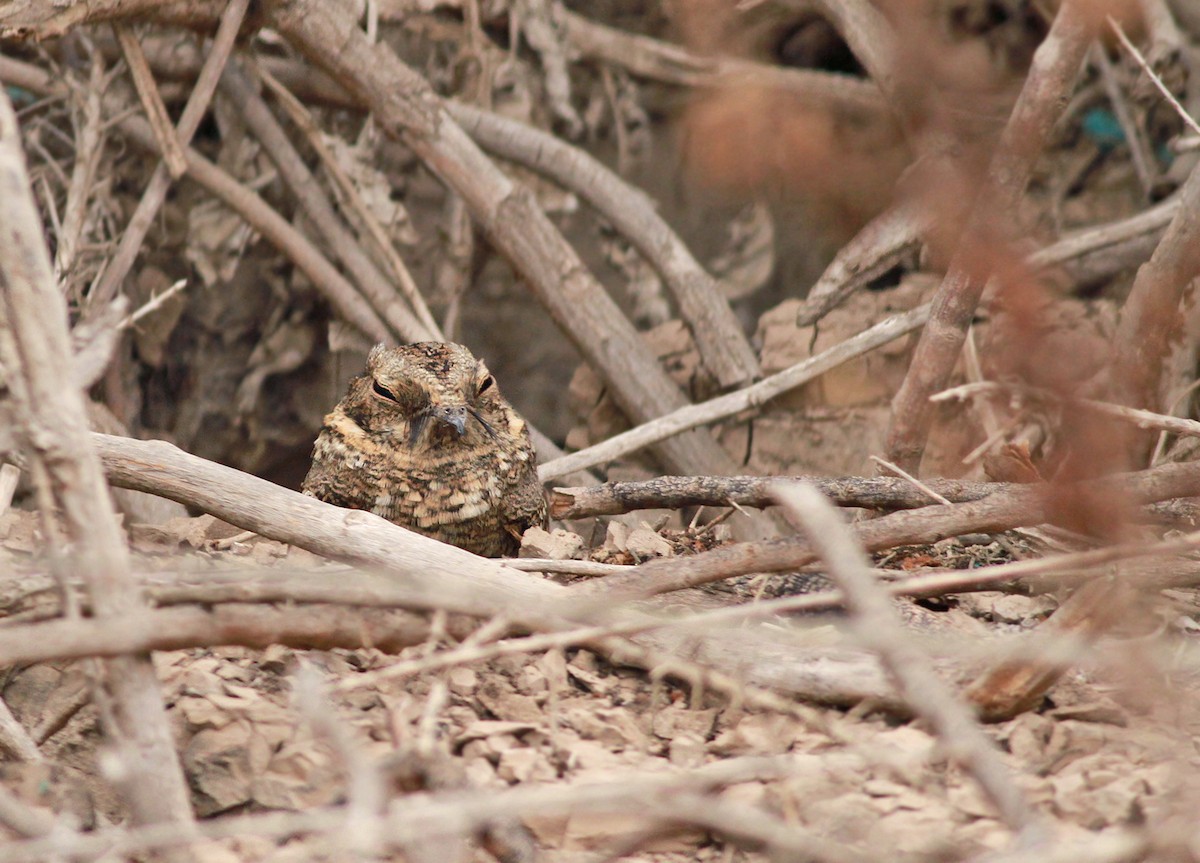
{"x":14,"y":739}
{"x":372,"y":283}
{"x":1055,"y":68}
{"x":1016,"y":506}
{"x":89,"y":146}
{"x":675,"y":492}
{"x":1099,"y":238}
{"x":302,"y":117}
{"x":340,"y":294}
{"x":438,"y":576}
{"x":723,"y":346}
{"x":721,"y":407}
{"x":160,"y":181}
{"x":33,"y":344}
{"x":407,"y":109}
{"x":152,"y":103}
{"x":877,"y":628}
{"x":431,"y":819}
{"x":10,"y":475}
{"x":1151,"y":309}
{"x":1187,"y":118}
{"x":308,"y":627}
{"x":152,"y":304}
{"x":884,"y":242}
{"x":896,"y":233}
{"x":674,"y":64}
{"x":1134,"y":416}
{"x":1139,"y":151}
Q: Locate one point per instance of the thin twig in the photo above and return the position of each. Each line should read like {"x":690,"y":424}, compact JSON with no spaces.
{"x":676,"y":492}
{"x":1134,"y":416}
{"x":877,"y":628}
{"x":719,"y":408}
{"x":152,"y":103}
{"x":33,"y":344}
{"x":303,"y":119}
{"x":723,"y":346}
{"x":152,"y":304}
{"x":160,"y":181}
{"x":1187,"y":118}
{"x":1055,"y":67}
{"x":372,"y":283}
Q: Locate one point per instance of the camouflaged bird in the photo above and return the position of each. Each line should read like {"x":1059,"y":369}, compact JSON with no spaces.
{"x":425,"y":440}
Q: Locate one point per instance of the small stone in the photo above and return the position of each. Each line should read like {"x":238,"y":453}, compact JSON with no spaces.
{"x":462,"y":681}
{"x":523,"y":765}
{"x":558,"y":545}
{"x":644,"y":542}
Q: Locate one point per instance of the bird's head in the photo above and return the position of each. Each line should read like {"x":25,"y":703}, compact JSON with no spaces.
{"x":427,"y":395}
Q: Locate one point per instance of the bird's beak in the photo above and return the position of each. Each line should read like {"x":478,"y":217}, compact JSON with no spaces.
{"x":451,"y":417}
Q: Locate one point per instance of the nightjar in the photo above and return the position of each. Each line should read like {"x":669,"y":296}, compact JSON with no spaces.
{"x":425,"y":440}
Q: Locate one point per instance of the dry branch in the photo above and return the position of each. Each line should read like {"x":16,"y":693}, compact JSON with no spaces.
{"x":1015,"y":506}
{"x":752,"y":396}
{"x":877,"y":628}
{"x":883,"y":243}
{"x":407,"y":109}
{"x":352,"y":198}
{"x":662,"y":61}
{"x":675,"y":492}
{"x":438,"y":576}
{"x":1051,"y":77}
{"x":34,"y":343}
{"x":372,"y":283}
{"x":433,"y":819}
{"x":723,"y":346}
{"x":156,"y":112}
{"x":1150,"y":314}
{"x":160,"y":181}
{"x":323,"y":627}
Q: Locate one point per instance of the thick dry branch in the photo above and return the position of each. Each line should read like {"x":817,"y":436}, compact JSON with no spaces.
{"x":883,"y":243}
{"x":662,"y":61}
{"x":315,"y":627}
{"x":1015,"y":506}
{"x":406,"y":108}
{"x":34,"y":342}
{"x":1151,"y":312}
{"x":719,"y":338}
{"x":36,"y":20}
{"x":1051,"y":77}
{"x":438,"y":576}
{"x":1087,"y":254}
{"x":675,"y":492}
{"x":1108,"y":239}
{"x":752,"y":396}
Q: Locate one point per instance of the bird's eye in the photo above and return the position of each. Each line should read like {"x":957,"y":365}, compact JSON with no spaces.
{"x":383,"y":392}
{"x":486,"y":384}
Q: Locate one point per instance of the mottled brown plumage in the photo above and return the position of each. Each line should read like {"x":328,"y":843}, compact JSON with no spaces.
{"x":425,"y":440}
